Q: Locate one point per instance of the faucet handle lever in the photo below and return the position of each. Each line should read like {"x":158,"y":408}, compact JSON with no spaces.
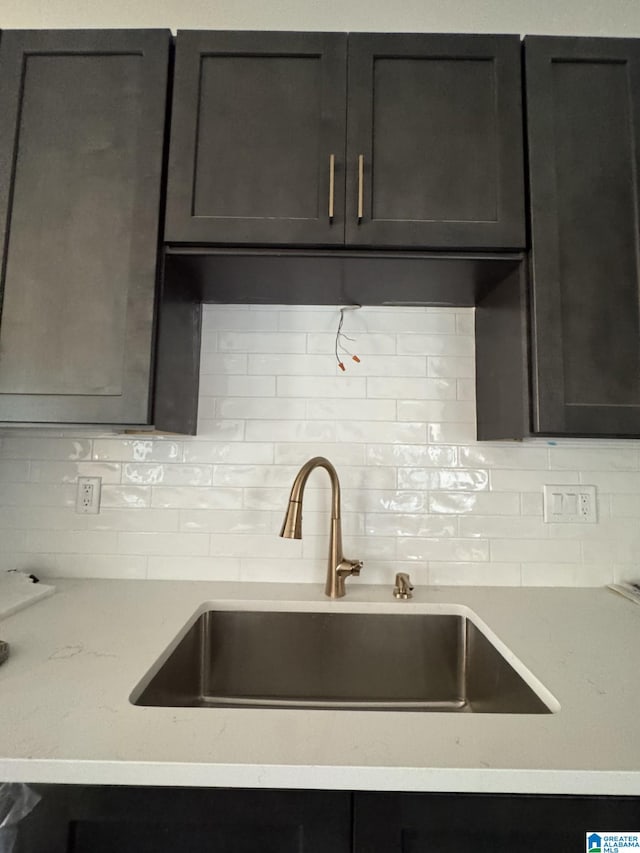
{"x":349,"y":567}
{"x":403,"y":588}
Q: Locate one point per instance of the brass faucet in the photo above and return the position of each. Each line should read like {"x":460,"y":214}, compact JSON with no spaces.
{"x":338,"y":568}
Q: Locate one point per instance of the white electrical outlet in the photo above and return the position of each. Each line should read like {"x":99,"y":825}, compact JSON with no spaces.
{"x":570,"y":504}
{"x":88,"y":495}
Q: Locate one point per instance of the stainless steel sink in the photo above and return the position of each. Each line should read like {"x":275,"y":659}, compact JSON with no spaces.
{"x":364,"y":661}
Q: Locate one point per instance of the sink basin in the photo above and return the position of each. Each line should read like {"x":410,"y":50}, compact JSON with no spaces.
{"x":440,"y":661}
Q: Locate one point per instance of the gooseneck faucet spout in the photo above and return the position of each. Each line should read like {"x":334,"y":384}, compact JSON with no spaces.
{"x":338,"y":568}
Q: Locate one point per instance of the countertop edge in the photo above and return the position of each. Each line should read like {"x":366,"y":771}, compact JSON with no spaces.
{"x":316,"y":777}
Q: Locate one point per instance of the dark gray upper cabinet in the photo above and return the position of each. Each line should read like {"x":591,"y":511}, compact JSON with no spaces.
{"x":583,"y":118}
{"x":81,"y":152}
{"x":257,"y":139}
{"x":434,"y":142}
{"x":417,"y":145}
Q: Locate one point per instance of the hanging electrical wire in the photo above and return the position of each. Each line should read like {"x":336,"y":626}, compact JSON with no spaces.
{"x":341,"y":337}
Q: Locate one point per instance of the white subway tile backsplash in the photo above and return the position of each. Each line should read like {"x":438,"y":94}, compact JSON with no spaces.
{"x":125,"y":496}
{"x":594,"y":459}
{"x":72,"y":541}
{"x":234,"y":385}
{"x":29,"y":495}
{"x":96,"y":566}
{"x":224,"y":364}
{"x":253,"y":475}
{"x":297,"y":430}
{"x":260,"y":453}
{"x":226,"y":319}
{"x":351,"y":410}
{"x":465,"y":323}
{"x":451,"y":367}
{"x":418,"y":492}
{"x":466,"y":389}
{"x":26,"y":447}
{"x":474,"y":574}
{"x":183,"y":497}
{"x":226,"y":521}
{"x":140,"y":521}
{"x":535,"y":550}
{"x":220,"y":430}
{"x":191,"y":568}
{"x":441,"y":550}
{"x":494,"y":527}
{"x":436,"y":345}
{"x":177,"y":544}
{"x":380,"y":431}
{"x":248,"y":342}
{"x":68,"y":472}
{"x":451,"y":433}
{"x":363,"y":345}
{"x":476,"y":503}
{"x":411,"y":454}
{"x":261,"y":408}
{"x":434,"y":321}
{"x":560,"y":574}
{"x":155,"y":474}
{"x":396,"y":388}
{"x":340,"y":454}
{"x":261,"y":364}
{"x":384,"y":500}
{"x":503,"y":457}
{"x":138,"y":450}
{"x":347,"y":387}
{"x":17,"y":471}
{"x":448,"y":480}
{"x":447,"y":411}
{"x":402,"y":524}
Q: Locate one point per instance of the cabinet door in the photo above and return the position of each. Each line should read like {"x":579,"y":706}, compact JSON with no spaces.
{"x":257,"y":119}
{"x":77,"y":819}
{"x":583,"y":117}
{"x":81,"y":144}
{"x":478,"y":823}
{"x":436,"y":122}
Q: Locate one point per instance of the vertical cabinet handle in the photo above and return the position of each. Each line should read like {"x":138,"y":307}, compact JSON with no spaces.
{"x":360,"y":187}
{"x":332,"y":184}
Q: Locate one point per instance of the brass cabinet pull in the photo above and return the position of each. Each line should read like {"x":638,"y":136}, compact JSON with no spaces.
{"x":332,"y":184}
{"x":360,"y":187}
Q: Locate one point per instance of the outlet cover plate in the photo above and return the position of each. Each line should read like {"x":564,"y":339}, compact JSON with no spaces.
{"x":88,"y":495}
{"x":574,"y":504}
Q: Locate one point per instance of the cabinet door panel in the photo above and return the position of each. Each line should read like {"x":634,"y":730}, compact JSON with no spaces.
{"x":85,"y":819}
{"x":583,"y":103}
{"x":479,"y":823}
{"x":438,"y":121}
{"x":256,"y":119}
{"x":81,"y":160}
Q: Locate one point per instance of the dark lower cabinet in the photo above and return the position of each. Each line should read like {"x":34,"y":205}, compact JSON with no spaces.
{"x":583,"y":120}
{"x":476,"y":823}
{"x":74,"y":819}
{"x":80,"y":819}
{"x":81,"y":162}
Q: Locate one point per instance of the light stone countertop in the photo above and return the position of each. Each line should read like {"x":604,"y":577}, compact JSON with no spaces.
{"x":65,"y":715}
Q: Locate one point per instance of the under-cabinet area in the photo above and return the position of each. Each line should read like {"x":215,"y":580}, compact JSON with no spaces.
{"x":317,"y":168}
{"x":76,"y":819}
